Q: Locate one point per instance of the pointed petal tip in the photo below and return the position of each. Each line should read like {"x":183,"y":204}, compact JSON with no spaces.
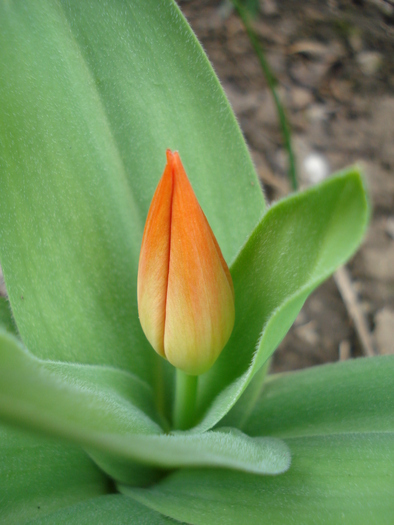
{"x":170,"y":155}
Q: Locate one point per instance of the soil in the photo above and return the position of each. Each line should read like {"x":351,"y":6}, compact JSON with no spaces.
{"x":334,"y":62}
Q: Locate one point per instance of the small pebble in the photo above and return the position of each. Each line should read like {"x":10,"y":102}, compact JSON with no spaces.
{"x":370,"y":62}
{"x":269,"y":7}
{"x":316,"y":167}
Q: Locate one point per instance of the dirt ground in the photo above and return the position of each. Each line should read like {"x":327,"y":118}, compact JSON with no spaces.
{"x":334,"y":61}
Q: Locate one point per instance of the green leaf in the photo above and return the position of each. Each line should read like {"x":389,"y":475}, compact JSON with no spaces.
{"x":345,"y":479}
{"x":38,"y":476}
{"x":102,"y":410}
{"x":338,"y":423}
{"x":77,"y":398}
{"x":92,"y":93}
{"x":46,"y":482}
{"x":6,"y":320}
{"x":300,"y":241}
{"x":113,"y":509}
{"x":226,"y":447}
{"x":89,"y":405}
{"x":353,"y":396}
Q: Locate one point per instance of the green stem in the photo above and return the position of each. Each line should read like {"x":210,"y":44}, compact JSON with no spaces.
{"x":272,"y":82}
{"x":185,"y":400}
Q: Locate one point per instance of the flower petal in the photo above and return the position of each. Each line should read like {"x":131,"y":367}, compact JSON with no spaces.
{"x":200,"y":303}
{"x":154,"y":261}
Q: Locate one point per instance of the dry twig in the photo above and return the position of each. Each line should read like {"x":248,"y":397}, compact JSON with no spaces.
{"x":344,"y":283}
{"x":344,"y":350}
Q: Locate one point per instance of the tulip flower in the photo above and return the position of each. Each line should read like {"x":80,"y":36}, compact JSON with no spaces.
{"x":185,"y":290}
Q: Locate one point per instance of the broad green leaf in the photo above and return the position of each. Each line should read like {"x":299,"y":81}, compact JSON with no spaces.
{"x":113,"y":509}
{"x":225,"y":447}
{"x":6,"y":320}
{"x":347,"y":479}
{"x":89,"y":405}
{"x":38,"y":476}
{"x":300,"y":241}
{"x":353,"y":396}
{"x":92,"y":93}
{"x":79,"y":398}
{"x":102,"y":410}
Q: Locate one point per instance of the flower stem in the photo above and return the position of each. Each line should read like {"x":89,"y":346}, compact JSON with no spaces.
{"x":185,"y":400}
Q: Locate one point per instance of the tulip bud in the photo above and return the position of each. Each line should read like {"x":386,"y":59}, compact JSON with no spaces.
{"x":185,"y":290}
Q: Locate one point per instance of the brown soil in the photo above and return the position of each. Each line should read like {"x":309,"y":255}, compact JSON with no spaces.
{"x":334,"y":61}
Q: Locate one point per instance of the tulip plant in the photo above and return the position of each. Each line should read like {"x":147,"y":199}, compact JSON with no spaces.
{"x":97,"y":427}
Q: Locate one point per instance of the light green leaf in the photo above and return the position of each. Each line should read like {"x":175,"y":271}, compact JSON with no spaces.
{"x":89,"y":405}
{"x":92,"y":93}
{"x":102,"y":410}
{"x":6,"y":320}
{"x":113,"y":509}
{"x":300,"y":241}
{"x":338,"y":423}
{"x":347,"y":479}
{"x":228,"y":448}
{"x":353,"y":396}
{"x":38,"y":476}
{"x":57,"y":397}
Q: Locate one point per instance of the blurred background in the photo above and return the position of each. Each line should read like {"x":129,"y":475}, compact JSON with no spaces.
{"x":334,"y":63}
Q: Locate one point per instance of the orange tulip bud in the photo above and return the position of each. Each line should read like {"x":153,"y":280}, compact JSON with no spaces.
{"x":185,"y":290}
